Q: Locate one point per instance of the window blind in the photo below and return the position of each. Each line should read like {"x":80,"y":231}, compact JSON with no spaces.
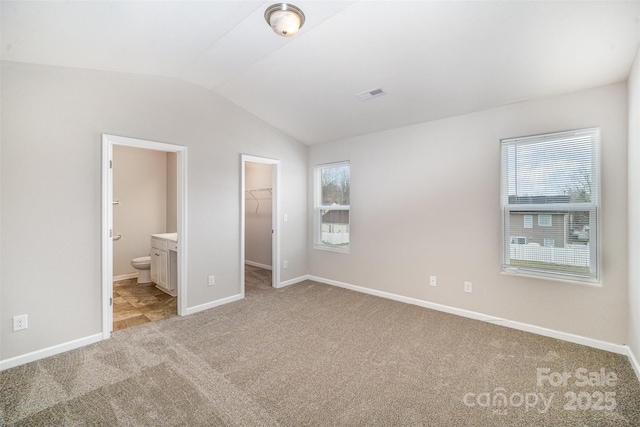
{"x":550,"y":192}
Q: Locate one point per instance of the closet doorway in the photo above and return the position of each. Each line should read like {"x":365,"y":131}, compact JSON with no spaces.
{"x":260,"y":237}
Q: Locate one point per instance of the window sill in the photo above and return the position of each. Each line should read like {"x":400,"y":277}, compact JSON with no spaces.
{"x":331,"y":249}
{"x":552,"y":277}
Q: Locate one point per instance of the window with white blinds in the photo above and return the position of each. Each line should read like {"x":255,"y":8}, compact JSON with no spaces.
{"x":550,"y":193}
{"x":332,"y":206}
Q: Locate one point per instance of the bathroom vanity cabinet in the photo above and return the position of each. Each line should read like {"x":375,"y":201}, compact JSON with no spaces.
{"x":164,"y":265}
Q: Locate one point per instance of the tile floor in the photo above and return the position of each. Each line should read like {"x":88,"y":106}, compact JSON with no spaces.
{"x":135,"y":304}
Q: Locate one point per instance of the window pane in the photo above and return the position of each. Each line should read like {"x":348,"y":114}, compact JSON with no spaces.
{"x":553,"y":171}
{"x":550,"y":202}
{"x":561,"y":247}
{"x":335,"y":227}
{"x":332,"y":192}
{"x":335,"y":185}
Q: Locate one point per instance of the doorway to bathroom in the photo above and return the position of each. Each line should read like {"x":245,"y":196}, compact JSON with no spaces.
{"x":143,"y":193}
{"x":260,"y":234}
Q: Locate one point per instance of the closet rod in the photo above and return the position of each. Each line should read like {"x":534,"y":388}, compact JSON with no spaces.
{"x":252,"y":190}
{"x":258,"y":189}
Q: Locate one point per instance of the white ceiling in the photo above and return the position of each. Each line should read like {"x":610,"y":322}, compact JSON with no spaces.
{"x":434,"y":59}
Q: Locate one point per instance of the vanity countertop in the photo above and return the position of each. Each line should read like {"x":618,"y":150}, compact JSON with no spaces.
{"x":171,"y":237}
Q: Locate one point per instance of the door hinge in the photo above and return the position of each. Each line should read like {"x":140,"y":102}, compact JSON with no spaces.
{"x":110,"y":164}
{"x":111,"y":301}
{"x":110,"y":232}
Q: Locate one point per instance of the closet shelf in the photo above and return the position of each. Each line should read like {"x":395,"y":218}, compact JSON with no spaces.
{"x":255,"y":190}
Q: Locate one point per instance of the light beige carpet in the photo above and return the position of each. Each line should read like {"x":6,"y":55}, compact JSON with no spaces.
{"x":316,"y":355}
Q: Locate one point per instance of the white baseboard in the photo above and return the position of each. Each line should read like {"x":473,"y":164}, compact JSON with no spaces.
{"x":293,"y":281}
{"x":206,"y":306}
{"x":257,"y":264}
{"x":81,"y":342}
{"x":577,"y":339}
{"x":49,"y":351}
{"x":564,"y":336}
{"x":124,"y":277}
{"x":634,"y":362}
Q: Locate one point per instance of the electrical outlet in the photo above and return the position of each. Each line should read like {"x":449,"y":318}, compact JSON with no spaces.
{"x":468,"y":287}
{"x":432,"y":280}
{"x":19,"y":322}
{"x":212,"y":280}
{"x":285,"y":264}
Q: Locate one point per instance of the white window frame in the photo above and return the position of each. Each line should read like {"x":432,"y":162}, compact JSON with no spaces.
{"x":319,"y":207}
{"x":593,"y":207}
{"x":528,"y":221}
{"x":549,"y":243}
{"x":544,"y":223}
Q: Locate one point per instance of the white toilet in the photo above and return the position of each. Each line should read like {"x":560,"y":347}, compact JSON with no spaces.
{"x":143,"y":265}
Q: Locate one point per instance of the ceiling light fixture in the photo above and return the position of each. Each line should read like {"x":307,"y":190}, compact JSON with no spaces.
{"x":285,"y":19}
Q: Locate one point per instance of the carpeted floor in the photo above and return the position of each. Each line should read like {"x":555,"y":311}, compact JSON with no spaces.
{"x":316,"y":355}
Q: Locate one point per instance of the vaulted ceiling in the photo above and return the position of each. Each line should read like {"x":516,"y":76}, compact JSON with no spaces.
{"x":433,"y":59}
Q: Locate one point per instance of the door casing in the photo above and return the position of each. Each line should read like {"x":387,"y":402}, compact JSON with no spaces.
{"x":108,"y":141}
{"x":275,"y":215}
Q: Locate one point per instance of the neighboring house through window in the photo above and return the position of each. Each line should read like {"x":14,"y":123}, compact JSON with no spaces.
{"x":553,"y":177}
{"x":553,"y":228}
{"x":332,"y":204}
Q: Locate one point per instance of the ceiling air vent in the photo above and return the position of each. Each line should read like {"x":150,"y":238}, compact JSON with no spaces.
{"x":370,"y":94}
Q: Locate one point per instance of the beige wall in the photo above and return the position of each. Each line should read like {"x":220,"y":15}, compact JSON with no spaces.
{"x":425,"y":200}
{"x":258,"y":223}
{"x":52,"y":121}
{"x":140,"y":185}
{"x":145,"y":183}
{"x":429,"y":176}
{"x":634,"y":207}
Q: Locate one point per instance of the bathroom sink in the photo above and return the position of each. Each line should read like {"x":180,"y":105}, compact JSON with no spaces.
{"x":172,"y":237}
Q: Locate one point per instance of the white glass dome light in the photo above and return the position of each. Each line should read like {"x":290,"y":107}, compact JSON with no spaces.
{"x":285,"y":19}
